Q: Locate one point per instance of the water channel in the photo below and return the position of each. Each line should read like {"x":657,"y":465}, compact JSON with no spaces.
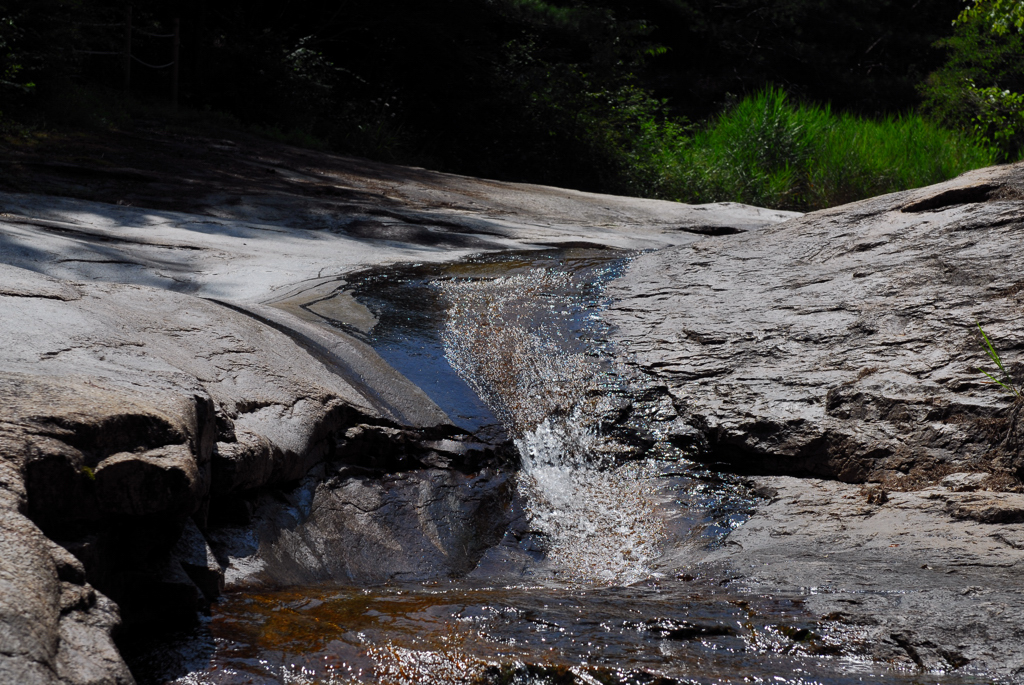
{"x":591,"y":583}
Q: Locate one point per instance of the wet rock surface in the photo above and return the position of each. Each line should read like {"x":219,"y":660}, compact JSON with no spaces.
{"x":351,"y":525}
{"x":905,"y":580}
{"x":842,"y":347}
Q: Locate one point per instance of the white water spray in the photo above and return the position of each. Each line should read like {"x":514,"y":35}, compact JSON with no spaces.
{"x":503,"y":336}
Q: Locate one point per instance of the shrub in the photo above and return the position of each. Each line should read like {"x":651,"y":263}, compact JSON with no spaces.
{"x":976,"y":89}
{"x":771,"y":152}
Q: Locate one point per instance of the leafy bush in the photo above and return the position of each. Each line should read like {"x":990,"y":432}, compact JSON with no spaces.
{"x":975,"y":91}
{"x":1000,"y":118}
{"x":771,"y":152}
{"x":1003,"y":16}
{"x":11,"y":66}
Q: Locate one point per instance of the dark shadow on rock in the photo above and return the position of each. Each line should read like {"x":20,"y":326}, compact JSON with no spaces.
{"x":354,"y":525}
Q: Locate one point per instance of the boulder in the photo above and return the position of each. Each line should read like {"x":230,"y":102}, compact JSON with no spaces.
{"x":197,"y":560}
{"x":165,"y":482}
{"x":352,"y":526}
{"x":54,"y":627}
{"x":844,"y":343}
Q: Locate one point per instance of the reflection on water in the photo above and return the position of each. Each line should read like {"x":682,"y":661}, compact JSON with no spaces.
{"x":453,"y":632}
{"x":514,"y":344}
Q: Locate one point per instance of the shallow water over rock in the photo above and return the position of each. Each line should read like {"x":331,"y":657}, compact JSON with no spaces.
{"x":460,"y":632}
{"x":590,"y":583}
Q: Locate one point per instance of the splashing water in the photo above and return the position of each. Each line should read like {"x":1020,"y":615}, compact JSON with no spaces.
{"x":600,"y":523}
{"x":507,"y":338}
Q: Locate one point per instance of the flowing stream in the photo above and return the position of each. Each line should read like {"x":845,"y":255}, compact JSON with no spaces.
{"x":547,"y":382}
{"x":590,"y":585}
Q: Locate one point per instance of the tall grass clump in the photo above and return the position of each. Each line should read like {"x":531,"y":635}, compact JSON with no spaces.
{"x":771,"y":152}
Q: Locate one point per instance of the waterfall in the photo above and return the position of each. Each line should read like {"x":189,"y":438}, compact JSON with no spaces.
{"x":528,"y":344}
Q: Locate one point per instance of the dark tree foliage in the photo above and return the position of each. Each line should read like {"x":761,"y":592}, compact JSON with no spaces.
{"x":865,"y":56}
{"x":509,"y":88}
{"x":978,"y":58}
{"x":38,"y":43}
{"x":553,"y":91}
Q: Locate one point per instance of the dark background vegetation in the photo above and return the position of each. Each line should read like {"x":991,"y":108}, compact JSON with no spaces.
{"x":600,"y":95}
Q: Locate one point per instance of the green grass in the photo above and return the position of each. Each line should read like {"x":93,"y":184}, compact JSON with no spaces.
{"x":771,"y":152}
{"x":1007,"y":383}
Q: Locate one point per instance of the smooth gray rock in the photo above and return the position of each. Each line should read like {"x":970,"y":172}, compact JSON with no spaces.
{"x":272,"y":249}
{"x":114,"y":401}
{"x":159,"y":368}
{"x":87,"y":655}
{"x":53,"y":626}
